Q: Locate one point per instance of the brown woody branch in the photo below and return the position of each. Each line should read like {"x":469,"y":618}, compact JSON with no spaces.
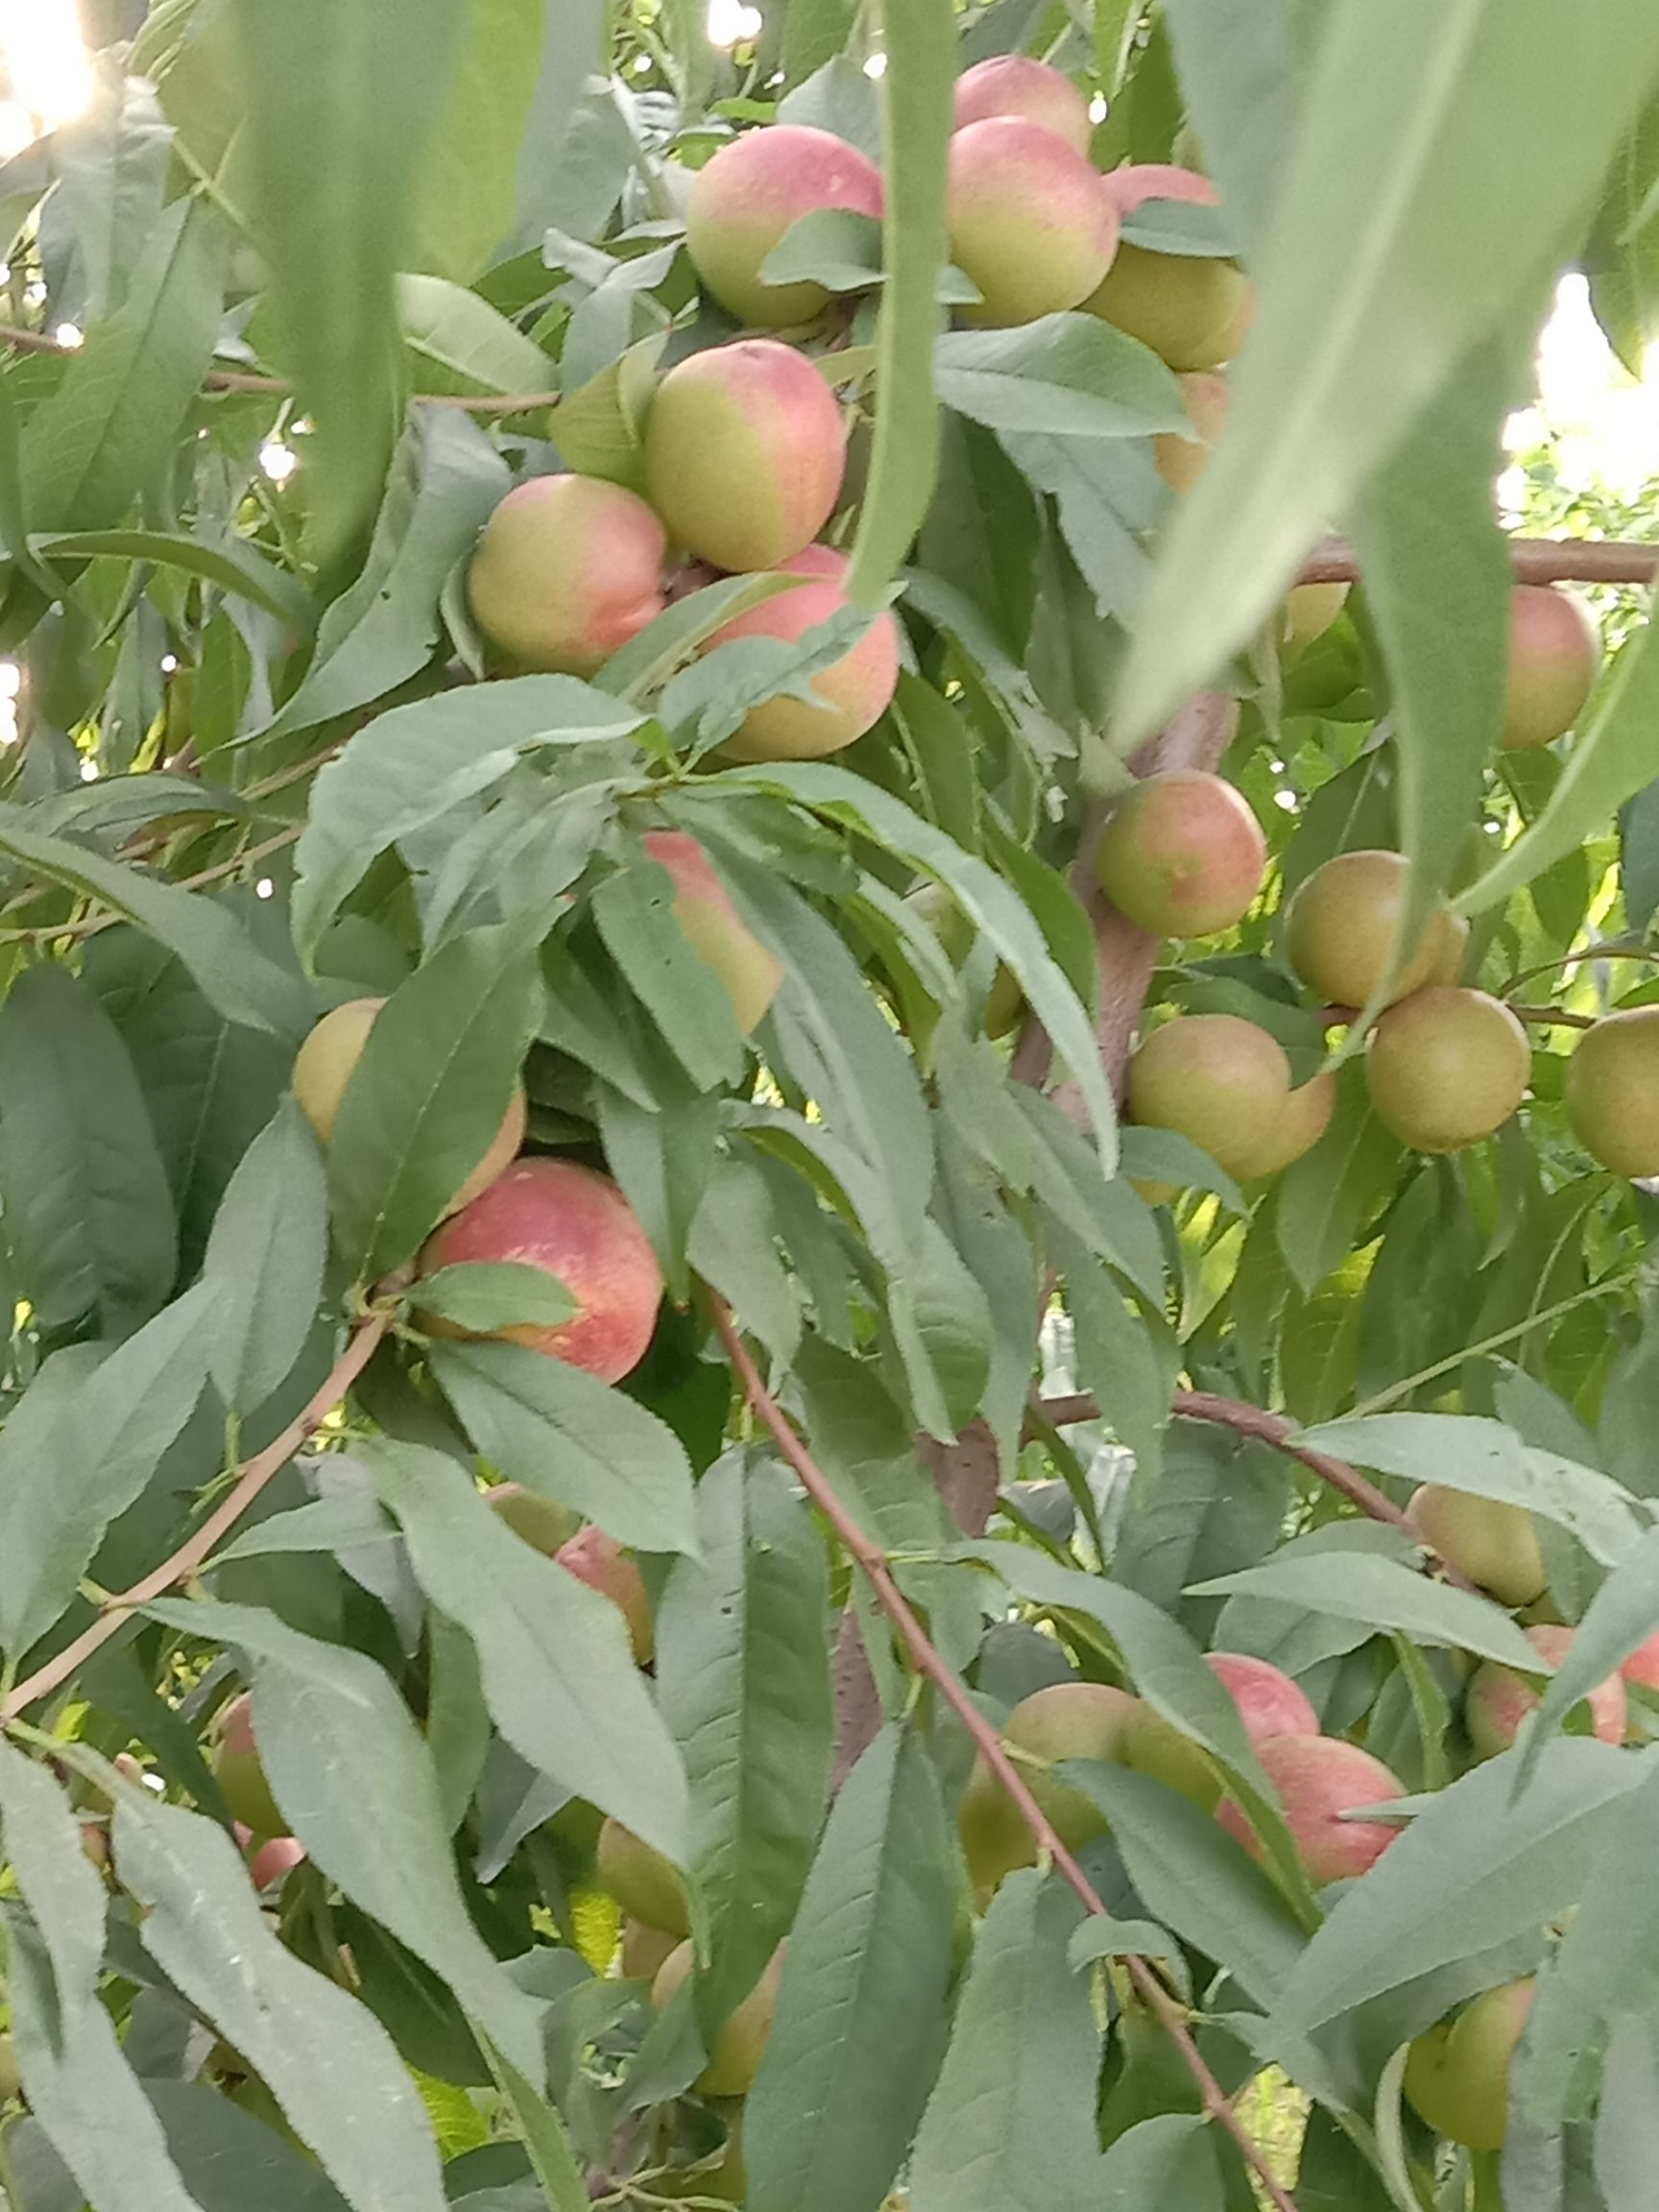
{"x":191,"y":1556}
{"x":1268,"y":1429}
{"x":1536,"y":561}
{"x":874,"y":1563}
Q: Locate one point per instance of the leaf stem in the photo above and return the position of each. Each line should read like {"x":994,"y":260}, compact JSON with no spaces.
{"x":874,"y":1563}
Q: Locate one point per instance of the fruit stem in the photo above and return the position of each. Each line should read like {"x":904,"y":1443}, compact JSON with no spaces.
{"x":876,"y":1565}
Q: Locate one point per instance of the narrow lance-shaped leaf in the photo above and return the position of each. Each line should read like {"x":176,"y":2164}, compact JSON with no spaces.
{"x":265,"y":1261}
{"x":860,"y":2023}
{"x":743,"y":1660}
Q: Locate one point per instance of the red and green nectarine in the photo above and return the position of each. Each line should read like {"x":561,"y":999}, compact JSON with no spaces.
{"x":1224,"y":1083}
{"x":1458,"y":2076}
{"x":1554,"y":658}
{"x":1182,"y":461}
{"x":855,"y":690}
{"x":1181,"y":855}
{"x":575,"y":1224}
{"x":1613,"y":1091}
{"x":240,"y":1776}
{"x":717,"y":934}
{"x":1342,"y":925}
{"x":745,"y":453}
{"x":1269,"y":1702}
{"x":1190,"y":309}
{"x":1319,"y":1779}
{"x":745,"y":200}
{"x":568,"y":569}
{"x":645,"y":1884}
{"x":1498,"y":1698}
{"x":1067,"y":1720}
{"x":541,"y":1522}
{"x":597,"y":1559}
{"x":1031,"y":224}
{"x":1014,"y":84}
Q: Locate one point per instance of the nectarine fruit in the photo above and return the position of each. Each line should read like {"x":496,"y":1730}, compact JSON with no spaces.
{"x":1341,"y":924}
{"x":1446,"y":1068}
{"x":1031,"y":224}
{"x":1498,"y":1700}
{"x":855,"y":690}
{"x":1181,"y":855}
{"x":1014,"y":84}
{"x":1613,"y":1091}
{"x":745,"y":200}
{"x":1319,"y":1779}
{"x":1190,"y":309}
{"x":1492,"y":1542}
{"x":568,"y":569}
{"x":1554,"y":658}
{"x":717,"y":934}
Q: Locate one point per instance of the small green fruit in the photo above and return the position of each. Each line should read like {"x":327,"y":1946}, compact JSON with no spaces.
{"x":240,"y":1776}
{"x":1192,"y":309}
{"x":1613,"y":1091}
{"x":1219,"y":1080}
{"x":1342,"y":925}
{"x":1458,"y":2076}
{"x":1067,"y":1720}
{"x":645,"y":1883}
{"x":1493,"y":1543}
{"x":742,"y":2043}
{"x":1446,"y":1068}
{"x":541,"y":1522}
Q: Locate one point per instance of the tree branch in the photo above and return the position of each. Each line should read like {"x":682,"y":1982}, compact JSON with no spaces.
{"x":873,"y":1562}
{"x":1275,"y":1430}
{"x":1536,"y":561}
{"x":187,"y":1560}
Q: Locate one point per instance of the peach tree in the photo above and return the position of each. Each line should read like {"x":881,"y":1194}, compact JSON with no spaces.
{"x":829,"y":1114}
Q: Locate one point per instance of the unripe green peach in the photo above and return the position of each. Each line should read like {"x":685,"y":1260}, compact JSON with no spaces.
{"x":742,"y":2043}
{"x":600,"y":1562}
{"x":1031,"y":223}
{"x":1342,"y":925}
{"x":1182,"y":461}
{"x":745,"y":200}
{"x":1493,"y":1543}
{"x":11,"y":2079}
{"x":645,"y":1884}
{"x":855,"y":690}
{"x":1613,"y":1091}
{"x":576,"y":1224}
{"x":1192,"y":309}
{"x":326,"y":1062}
{"x":1067,"y":1720}
{"x":1446,"y":1068}
{"x":1498,"y":1700}
{"x":1014,"y":84}
{"x":1181,"y":855}
{"x":542,"y":1522}
{"x":1319,"y":1780}
{"x":240,"y":1776}
{"x":1269,"y":1702}
{"x":745,"y":453}
{"x":1153,"y":1745}
{"x":1004,"y":1001}
{"x":717,"y":934}
{"x":1554,"y":658}
{"x":1308,"y":612}
{"x":567,"y":570}
{"x":1458,"y":2076}
{"x":1217,"y":1079}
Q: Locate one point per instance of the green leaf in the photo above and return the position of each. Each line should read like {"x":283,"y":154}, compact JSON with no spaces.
{"x":743,"y":1660}
{"x":100,"y":1449}
{"x":1239,"y":84}
{"x":564,"y":2188}
{"x":634,"y":909}
{"x":1325,"y":1195}
{"x":861,"y":2008}
{"x":483,"y":1296}
{"x":80,"y":2086}
{"x":996,"y":911}
{"x":1466,"y":1452}
{"x":427,"y":1099}
{"x":209,"y":939}
{"x":1168,"y":2159}
{"x":1438,"y":582}
{"x":461,"y":341}
{"x":447,"y":479}
{"x":558,"y":1431}
{"x":1384,"y":1596}
{"x":229,"y":561}
{"x":111,"y":164}
{"x":1194,"y":1877}
{"x":265,"y":1261}
{"x":1063,"y":375}
{"x":325,"y":1524}
{"x":1613,"y":756}
{"x":328,"y":2062}
{"x":916,"y":119}
{"x":733,"y":1245}
{"x":1623,"y":257}
{"x":558,"y":1673}
{"x":1474,"y":1868}
{"x":109,"y":430}
{"x":413,"y":765}
{"x":351,"y":1771}
{"x":89,"y":1216}
{"x":466,"y":202}
{"x":1119,"y":1358}
{"x":340,"y":107}
{"x":1401,"y":239}
{"x":1010,"y":2127}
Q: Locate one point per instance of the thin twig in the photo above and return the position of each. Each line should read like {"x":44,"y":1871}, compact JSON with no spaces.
{"x":873,"y":1562}
{"x":1535,"y":559}
{"x":1552,"y":1017}
{"x":89,"y":924}
{"x":1268,"y":1429}
{"x":241,"y":380}
{"x":190,"y":1555}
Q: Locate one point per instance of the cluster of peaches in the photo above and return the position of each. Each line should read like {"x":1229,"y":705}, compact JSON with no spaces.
{"x":1182,"y":856}
{"x":743,"y":446}
{"x":1326,"y":1785}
